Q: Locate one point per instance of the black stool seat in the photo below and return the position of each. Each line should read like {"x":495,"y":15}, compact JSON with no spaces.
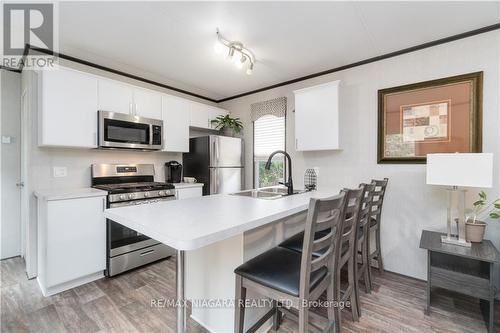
{"x":279,"y":268}
{"x":296,"y":243}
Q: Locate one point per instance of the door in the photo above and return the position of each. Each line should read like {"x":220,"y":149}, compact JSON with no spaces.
{"x":69,"y":109}
{"x":213,"y":113}
{"x":198,"y":115}
{"x":226,"y":151}
{"x":175,"y":113}
{"x":226,"y":180}
{"x":115,"y":97}
{"x":147,"y":103}
{"x":10,"y":220}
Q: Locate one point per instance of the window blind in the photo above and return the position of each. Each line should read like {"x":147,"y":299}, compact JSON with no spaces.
{"x":269,"y":135}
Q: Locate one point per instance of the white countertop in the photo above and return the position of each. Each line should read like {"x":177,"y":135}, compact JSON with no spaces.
{"x":193,"y":223}
{"x":187,"y":185}
{"x":71,"y":193}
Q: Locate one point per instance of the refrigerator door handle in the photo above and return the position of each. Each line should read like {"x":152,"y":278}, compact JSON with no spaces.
{"x":213,"y":181}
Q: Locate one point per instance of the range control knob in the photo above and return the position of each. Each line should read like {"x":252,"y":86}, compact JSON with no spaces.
{"x":160,"y":193}
{"x":122,"y":197}
{"x":131,"y":196}
{"x":146,"y":195}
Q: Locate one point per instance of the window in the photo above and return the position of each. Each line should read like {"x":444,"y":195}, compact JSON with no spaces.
{"x":269,"y":136}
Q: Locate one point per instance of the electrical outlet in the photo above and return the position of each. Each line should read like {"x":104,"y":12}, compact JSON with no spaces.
{"x":6,"y":139}
{"x":59,"y":172}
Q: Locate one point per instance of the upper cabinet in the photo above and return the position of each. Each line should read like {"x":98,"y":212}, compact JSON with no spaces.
{"x":123,"y":98}
{"x":70,"y":99}
{"x":68,"y":109}
{"x":201,"y":115}
{"x":317,"y":117}
{"x":175,"y":112}
{"x":147,"y":103}
{"x":115,"y":97}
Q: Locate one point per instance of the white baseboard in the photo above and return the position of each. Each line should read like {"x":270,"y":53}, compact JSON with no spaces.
{"x":52,"y":290}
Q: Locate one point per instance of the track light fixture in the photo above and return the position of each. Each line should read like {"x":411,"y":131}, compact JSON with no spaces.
{"x":236,"y":52}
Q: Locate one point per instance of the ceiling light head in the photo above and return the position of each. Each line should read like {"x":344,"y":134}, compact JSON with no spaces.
{"x":239,"y":62}
{"x":236,"y":52}
{"x":250,"y":69}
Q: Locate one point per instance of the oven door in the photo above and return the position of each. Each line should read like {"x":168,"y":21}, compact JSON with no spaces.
{"x":118,"y":130}
{"x":120,"y":239}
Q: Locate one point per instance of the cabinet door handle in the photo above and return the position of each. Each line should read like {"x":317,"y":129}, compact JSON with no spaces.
{"x":130,"y":110}
{"x":296,"y":144}
{"x":103,"y":204}
{"x":136,"y":108}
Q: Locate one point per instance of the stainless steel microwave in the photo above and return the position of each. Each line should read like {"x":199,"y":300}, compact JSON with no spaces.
{"x":119,"y":130}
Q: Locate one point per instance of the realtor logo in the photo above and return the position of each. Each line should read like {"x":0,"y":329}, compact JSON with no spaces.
{"x":27,"y":23}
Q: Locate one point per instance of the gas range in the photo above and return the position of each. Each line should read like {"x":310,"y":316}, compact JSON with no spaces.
{"x":137,"y":191}
{"x":128,"y":185}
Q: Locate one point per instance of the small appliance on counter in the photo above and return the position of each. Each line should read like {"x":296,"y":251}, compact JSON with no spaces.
{"x":173,"y":172}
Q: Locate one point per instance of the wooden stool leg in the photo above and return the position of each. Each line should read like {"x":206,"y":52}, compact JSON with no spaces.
{"x":379,"y":251}
{"x":276,"y":317}
{"x":353,"y":284}
{"x":239,"y":308}
{"x":303,"y":319}
{"x":364,"y":259}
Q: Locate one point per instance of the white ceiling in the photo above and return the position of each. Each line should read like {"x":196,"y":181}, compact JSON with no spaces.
{"x":173,"y":42}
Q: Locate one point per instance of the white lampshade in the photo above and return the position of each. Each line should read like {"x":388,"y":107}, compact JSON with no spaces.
{"x":468,"y":170}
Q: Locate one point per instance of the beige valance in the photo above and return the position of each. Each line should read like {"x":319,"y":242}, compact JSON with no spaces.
{"x":275,"y":107}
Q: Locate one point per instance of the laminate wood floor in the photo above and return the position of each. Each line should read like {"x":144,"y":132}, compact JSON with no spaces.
{"x":123,"y":304}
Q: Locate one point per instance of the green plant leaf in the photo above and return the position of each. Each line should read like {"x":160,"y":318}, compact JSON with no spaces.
{"x":497,"y":206}
{"x":478,"y":203}
{"x":482,"y":195}
{"x":494,"y":215}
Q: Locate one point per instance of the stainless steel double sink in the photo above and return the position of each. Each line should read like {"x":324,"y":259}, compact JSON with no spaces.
{"x":268,"y":193}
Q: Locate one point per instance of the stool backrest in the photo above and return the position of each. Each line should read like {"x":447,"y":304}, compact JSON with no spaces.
{"x":323,"y":215}
{"x":366,"y":206}
{"x":378,"y":197}
{"x":351,"y":222}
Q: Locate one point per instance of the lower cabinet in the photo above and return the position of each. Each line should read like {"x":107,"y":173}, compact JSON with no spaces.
{"x":189,"y":192}
{"x":71,"y":242}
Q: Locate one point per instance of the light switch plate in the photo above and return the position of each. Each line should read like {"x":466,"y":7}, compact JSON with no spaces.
{"x":59,"y":172}
{"x":6,"y":139}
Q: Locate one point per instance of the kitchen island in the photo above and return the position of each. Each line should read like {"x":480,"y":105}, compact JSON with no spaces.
{"x":212,"y":236}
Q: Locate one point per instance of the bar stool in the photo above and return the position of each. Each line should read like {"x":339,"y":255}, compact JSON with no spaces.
{"x":362,"y":257}
{"x":283,"y":274}
{"x":375,"y":220}
{"x":349,"y":245}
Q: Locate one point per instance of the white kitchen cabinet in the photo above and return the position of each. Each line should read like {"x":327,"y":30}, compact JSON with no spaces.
{"x":198,"y":115}
{"x":189,"y":192}
{"x":201,"y":115}
{"x":115,"y":96}
{"x":214,"y":112}
{"x":147,"y":103}
{"x":317,"y":117}
{"x":175,"y":115}
{"x":68,"y":109}
{"x":71,"y":240}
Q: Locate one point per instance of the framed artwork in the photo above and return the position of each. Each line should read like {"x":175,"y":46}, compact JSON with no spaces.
{"x":438,"y":116}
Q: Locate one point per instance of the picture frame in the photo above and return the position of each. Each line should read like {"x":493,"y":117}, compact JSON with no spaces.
{"x":437,"y":116}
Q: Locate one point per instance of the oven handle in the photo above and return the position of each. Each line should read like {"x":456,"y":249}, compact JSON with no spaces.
{"x":146,"y":253}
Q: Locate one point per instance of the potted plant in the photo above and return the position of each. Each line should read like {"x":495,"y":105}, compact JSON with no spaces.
{"x":474,"y":227}
{"x":227,"y":124}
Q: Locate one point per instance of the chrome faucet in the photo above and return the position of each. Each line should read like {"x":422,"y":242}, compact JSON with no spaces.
{"x":289,"y":183}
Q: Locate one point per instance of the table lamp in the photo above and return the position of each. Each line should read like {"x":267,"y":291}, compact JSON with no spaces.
{"x":464,"y":170}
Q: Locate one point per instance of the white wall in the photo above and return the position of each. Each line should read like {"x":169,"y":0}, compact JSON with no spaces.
{"x":410,"y":204}
{"x":10,"y":226}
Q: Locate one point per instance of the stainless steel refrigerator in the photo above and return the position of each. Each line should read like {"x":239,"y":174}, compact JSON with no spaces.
{"x":217,"y":162}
